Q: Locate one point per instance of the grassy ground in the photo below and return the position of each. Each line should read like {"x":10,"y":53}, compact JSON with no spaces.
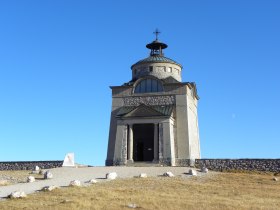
{"x":12,"y":177}
{"x":221,"y":191}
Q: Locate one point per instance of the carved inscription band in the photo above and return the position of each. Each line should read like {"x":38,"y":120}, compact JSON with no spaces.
{"x":149,"y":100}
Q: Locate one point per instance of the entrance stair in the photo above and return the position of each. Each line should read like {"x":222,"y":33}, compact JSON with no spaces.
{"x":143,"y":164}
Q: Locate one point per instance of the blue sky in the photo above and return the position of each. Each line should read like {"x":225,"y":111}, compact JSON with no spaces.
{"x":58,"y":59}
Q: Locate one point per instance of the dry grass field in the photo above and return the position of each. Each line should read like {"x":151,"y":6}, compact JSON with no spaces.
{"x":220,"y":191}
{"x":12,"y":177}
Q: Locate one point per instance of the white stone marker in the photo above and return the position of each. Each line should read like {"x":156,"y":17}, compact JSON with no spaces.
{"x":37,"y":168}
{"x":168,"y":174}
{"x":112,"y":175}
{"x":69,"y":160}
{"x":143,"y":175}
{"x":48,"y":175}
{"x":132,"y":206}
{"x":49,"y":188}
{"x":75,"y":183}
{"x":31,"y":179}
{"x":92,"y":181}
{"x":17,"y":194}
{"x":192,"y":172}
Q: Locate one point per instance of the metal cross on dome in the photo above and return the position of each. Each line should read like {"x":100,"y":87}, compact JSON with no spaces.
{"x":157,"y":32}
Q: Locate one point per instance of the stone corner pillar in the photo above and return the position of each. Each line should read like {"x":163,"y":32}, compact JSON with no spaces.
{"x":160,"y":143}
{"x":168,"y":143}
{"x":130,"y":144}
{"x":156,"y":143}
{"x":123,"y":160}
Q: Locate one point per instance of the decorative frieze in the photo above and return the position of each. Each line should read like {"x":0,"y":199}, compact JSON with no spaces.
{"x":149,"y":100}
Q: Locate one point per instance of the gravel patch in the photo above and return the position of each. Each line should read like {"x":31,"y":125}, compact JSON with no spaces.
{"x":63,"y":176}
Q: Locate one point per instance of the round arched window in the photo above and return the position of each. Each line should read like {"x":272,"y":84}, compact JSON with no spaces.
{"x":148,"y":86}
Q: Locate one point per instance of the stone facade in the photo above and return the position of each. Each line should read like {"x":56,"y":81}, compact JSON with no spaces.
{"x":154,"y":116}
{"x":29,"y":165}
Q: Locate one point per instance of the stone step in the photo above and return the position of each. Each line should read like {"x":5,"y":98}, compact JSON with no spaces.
{"x":143,"y":164}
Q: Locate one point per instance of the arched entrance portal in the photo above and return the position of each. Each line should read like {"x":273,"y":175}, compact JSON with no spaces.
{"x":143,"y":146}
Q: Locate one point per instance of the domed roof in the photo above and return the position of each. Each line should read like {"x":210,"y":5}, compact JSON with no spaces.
{"x":156,"y":59}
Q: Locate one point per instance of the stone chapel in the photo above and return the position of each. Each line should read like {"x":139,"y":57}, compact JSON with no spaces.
{"x":154,"y":116}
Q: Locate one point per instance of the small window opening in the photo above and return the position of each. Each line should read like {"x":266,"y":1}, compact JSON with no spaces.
{"x":169,"y":69}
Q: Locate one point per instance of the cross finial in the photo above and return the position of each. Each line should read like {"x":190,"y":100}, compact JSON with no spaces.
{"x":157,"y":32}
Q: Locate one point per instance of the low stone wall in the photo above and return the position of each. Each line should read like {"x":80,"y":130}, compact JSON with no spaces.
{"x":29,"y":165}
{"x":272,"y":165}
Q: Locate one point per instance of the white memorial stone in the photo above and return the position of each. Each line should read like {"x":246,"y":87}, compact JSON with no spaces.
{"x":112,"y":175}
{"x":143,"y":175}
{"x":132,"y":206}
{"x":31,"y":179}
{"x":192,"y":172}
{"x":168,"y":174}
{"x":49,"y":188}
{"x":37,"y":168}
{"x":17,"y":194}
{"x":48,"y":175}
{"x":92,"y":181}
{"x":75,"y":183}
{"x":69,"y":160}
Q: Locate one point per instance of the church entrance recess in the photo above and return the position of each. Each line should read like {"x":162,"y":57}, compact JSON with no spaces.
{"x":143,"y":147}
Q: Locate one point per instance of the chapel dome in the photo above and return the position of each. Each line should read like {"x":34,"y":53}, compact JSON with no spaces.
{"x":156,"y":59}
{"x":157,"y":64}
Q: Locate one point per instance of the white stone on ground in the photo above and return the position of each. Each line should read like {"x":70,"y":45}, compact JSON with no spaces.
{"x":132,"y":206}
{"x":17,"y":194}
{"x":112,"y":175}
{"x":275,"y":179}
{"x":204,"y":170}
{"x":92,"y":181}
{"x":168,"y":174}
{"x":31,"y":179}
{"x":37,"y":168}
{"x":48,"y":175}
{"x":75,"y":183}
{"x":63,"y":175}
{"x":49,"y":188}
{"x":143,"y":175}
{"x":192,"y":172}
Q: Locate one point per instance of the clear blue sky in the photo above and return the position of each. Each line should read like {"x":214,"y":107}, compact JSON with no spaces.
{"x":58,"y":59}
